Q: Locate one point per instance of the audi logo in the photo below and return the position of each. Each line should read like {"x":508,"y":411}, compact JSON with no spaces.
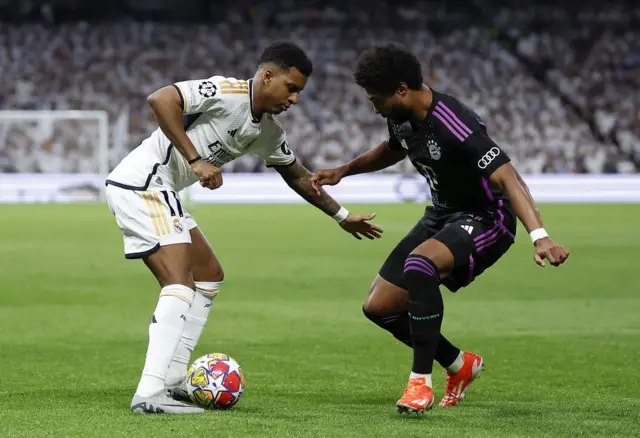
{"x":488,"y":157}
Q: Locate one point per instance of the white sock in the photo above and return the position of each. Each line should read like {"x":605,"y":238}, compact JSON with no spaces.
{"x":426,"y":377}
{"x":196,"y":320}
{"x":457,"y":364}
{"x":165,"y":330}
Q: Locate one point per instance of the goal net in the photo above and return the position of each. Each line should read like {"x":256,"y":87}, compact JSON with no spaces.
{"x":53,"y":156}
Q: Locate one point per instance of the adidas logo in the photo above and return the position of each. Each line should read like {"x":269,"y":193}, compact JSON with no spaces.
{"x":467,"y":228}
{"x":183,"y":317}
{"x":159,"y":181}
{"x":232,"y":132}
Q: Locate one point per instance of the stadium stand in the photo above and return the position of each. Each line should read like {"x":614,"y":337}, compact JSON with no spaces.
{"x":557,"y":85}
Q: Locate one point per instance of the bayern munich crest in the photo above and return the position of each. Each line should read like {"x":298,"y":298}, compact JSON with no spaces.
{"x":434,"y":151}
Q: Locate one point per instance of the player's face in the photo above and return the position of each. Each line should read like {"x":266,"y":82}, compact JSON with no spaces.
{"x":282,"y":88}
{"x":391,"y":107}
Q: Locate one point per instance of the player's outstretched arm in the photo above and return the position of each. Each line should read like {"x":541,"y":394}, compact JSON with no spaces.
{"x":378,"y":158}
{"x":507,"y":178}
{"x":166,"y":104}
{"x":299,"y":179}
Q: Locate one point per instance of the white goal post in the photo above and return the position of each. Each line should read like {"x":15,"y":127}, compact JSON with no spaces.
{"x":57,"y":156}
{"x":85,"y":132}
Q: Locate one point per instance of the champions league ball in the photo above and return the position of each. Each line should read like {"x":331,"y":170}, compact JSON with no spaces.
{"x":215,"y":381}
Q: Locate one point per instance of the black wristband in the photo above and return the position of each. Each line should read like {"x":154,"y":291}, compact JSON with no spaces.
{"x":196,"y":159}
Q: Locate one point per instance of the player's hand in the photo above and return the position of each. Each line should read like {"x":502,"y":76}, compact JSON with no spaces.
{"x":357,"y":225}
{"x":326,"y":177}
{"x":548,"y":249}
{"x":210,"y":176}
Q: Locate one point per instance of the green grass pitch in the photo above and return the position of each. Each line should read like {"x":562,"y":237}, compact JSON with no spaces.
{"x":562,"y":345}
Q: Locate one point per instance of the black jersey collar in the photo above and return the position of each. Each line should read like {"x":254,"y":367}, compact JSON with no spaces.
{"x":423,"y":123}
{"x":434,"y":102}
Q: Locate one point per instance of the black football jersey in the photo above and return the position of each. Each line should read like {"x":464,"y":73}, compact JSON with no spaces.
{"x":453,"y":151}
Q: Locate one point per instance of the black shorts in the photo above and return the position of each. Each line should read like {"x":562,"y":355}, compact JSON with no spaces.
{"x":477,"y":239}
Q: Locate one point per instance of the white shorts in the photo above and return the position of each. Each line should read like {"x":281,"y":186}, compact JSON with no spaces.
{"x":149,"y":219}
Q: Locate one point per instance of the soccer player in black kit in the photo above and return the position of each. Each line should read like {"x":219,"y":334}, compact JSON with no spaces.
{"x":476,"y":194}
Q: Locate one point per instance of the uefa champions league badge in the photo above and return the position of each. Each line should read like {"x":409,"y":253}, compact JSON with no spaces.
{"x":207,"y":89}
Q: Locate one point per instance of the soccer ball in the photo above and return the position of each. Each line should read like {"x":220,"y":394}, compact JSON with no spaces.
{"x":215,"y":381}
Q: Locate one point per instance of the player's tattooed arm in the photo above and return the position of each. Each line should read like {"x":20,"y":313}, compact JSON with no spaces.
{"x":299,"y":179}
{"x":378,"y":158}
{"x":507,"y":178}
{"x":526,"y":187}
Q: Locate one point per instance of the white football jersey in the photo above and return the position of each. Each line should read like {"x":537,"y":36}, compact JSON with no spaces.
{"x":220,"y":122}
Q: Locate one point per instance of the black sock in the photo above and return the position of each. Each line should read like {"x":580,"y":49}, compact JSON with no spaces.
{"x":425,"y":310}
{"x":446,"y":353}
{"x":397,"y":325}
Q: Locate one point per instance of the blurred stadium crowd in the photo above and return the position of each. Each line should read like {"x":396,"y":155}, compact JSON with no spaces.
{"x":558,"y":84}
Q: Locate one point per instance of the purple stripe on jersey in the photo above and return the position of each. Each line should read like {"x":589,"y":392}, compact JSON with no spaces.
{"x":500,"y":223}
{"x":445,"y":123}
{"x":500,"y":204}
{"x":482,"y":123}
{"x":439,"y":110}
{"x":485,"y":184}
{"x":472,"y":265}
{"x":419,"y":269}
{"x":464,"y":127}
{"x":410,"y":264}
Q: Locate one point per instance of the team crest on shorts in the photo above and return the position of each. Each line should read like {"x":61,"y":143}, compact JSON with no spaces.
{"x":177,"y":225}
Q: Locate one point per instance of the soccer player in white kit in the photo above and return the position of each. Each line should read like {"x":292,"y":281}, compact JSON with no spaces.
{"x":225,"y":119}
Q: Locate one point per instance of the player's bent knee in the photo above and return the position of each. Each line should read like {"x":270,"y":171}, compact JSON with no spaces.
{"x":373,"y":306}
{"x":217,"y":273}
{"x":375,"y":311}
{"x":170,"y":265}
{"x":179,"y":291}
{"x":383,"y":302}
{"x":209,"y":289}
{"x":205,"y":265}
{"x":437,"y":252}
{"x":210,"y":271}
{"x":372,"y":309}
{"x":376,"y":306}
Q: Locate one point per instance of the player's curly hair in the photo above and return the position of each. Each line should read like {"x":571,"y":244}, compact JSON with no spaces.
{"x":381,"y":69}
{"x":286,"y":55}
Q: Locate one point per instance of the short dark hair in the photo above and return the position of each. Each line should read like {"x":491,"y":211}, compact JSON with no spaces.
{"x":381,"y":69}
{"x":286,"y":55}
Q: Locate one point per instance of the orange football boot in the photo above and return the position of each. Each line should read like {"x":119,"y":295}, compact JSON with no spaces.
{"x":458,"y":382}
{"x":417,"y":398}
